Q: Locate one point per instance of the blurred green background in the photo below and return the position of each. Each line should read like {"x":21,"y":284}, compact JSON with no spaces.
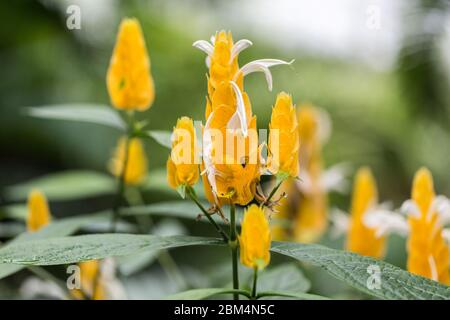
{"x":381,"y":69}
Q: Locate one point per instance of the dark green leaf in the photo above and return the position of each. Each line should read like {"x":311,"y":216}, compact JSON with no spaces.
{"x":355,"y":270}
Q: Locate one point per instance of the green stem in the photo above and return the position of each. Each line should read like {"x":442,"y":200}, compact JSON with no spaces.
{"x":120,"y":188}
{"x":233,"y":243}
{"x":272,"y":193}
{"x":255,"y":281}
{"x":206,"y":213}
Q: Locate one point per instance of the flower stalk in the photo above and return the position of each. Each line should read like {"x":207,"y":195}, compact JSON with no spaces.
{"x":191,"y":194}
{"x":233,"y":243}
{"x":255,"y":282}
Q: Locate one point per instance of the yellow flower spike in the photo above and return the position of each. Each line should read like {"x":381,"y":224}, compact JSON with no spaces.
{"x":255,"y":238}
{"x":428,"y":254}
{"x":222,"y":68}
{"x":130,"y":84}
{"x":312,"y":211}
{"x":284,"y":137}
{"x":361,"y":239}
{"x":137,"y":166}
{"x":91,"y":283}
{"x":182,"y":165}
{"x":38,"y":211}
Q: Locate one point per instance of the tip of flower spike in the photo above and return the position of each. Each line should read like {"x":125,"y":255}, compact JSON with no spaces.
{"x":423,"y":180}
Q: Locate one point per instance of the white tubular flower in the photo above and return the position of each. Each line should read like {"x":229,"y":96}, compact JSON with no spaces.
{"x":441,"y":205}
{"x":385,"y":222}
{"x":446,"y":235}
{"x":304,"y":182}
{"x":262,"y":65}
{"x":341,"y":222}
{"x":238,"y":47}
{"x":334,"y":178}
{"x":204,"y":46}
{"x":409,"y":207}
{"x":238,"y":121}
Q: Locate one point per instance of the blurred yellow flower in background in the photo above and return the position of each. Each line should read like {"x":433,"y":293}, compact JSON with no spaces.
{"x":182,"y":165}
{"x":361,"y":239}
{"x":136,"y":167}
{"x":428,"y":253}
{"x":38,"y":211}
{"x":130,"y":84}
{"x":255,"y":238}
{"x":284,"y":137}
{"x":92,"y":286}
{"x":312,"y":212}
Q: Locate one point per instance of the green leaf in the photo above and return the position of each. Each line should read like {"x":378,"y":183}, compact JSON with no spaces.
{"x":75,"y":184}
{"x":55,"y":229}
{"x":91,"y":113}
{"x":286,"y":277}
{"x":354,"y":270}
{"x":14,"y":211}
{"x":200,"y":294}
{"x":175,"y":209}
{"x":66,"y":185}
{"x":163,"y":137}
{"x":66,"y":250}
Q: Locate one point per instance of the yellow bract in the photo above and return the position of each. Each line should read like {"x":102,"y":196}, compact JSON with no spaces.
{"x":91,"y":281}
{"x":38,"y":212}
{"x":221,"y":68}
{"x":312,"y":213}
{"x":284,"y":137}
{"x":255,"y":238}
{"x":237,"y":172}
{"x":182,"y":165}
{"x":361,"y":239}
{"x":130,"y":84}
{"x":428,"y":254}
{"x":137,"y":167}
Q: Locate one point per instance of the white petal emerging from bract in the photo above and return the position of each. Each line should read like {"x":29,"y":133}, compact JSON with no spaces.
{"x":304,"y":182}
{"x":446,"y":235}
{"x":441,"y":205}
{"x":409,"y":207}
{"x":334,"y":178}
{"x":385,"y":222}
{"x":341,"y":222}
{"x":205,"y":46}
{"x":210,"y":170}
{"x":238,"y":121}
{"x":238,"y":47}
{"x":262,"y":65}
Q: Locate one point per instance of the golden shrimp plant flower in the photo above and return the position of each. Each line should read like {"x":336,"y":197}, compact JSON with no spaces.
{"x":38,"y":211}
{"x":311,"y":213}
{"x":362,"y":239}
{"x":231,"y":162}
{"x":182,"y":165}
{"x":426,"y":214}
{"x":129,"y":81}
{"x":136,"y":164}
{"x":92,"y":285}
{"x":255,"y":238}
{"x":284,"y":137}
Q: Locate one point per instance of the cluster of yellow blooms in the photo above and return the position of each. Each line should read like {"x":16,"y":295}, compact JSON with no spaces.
{"x":428,"y":253}
{"x":231,"y":163}
{"x":231,"y":156}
